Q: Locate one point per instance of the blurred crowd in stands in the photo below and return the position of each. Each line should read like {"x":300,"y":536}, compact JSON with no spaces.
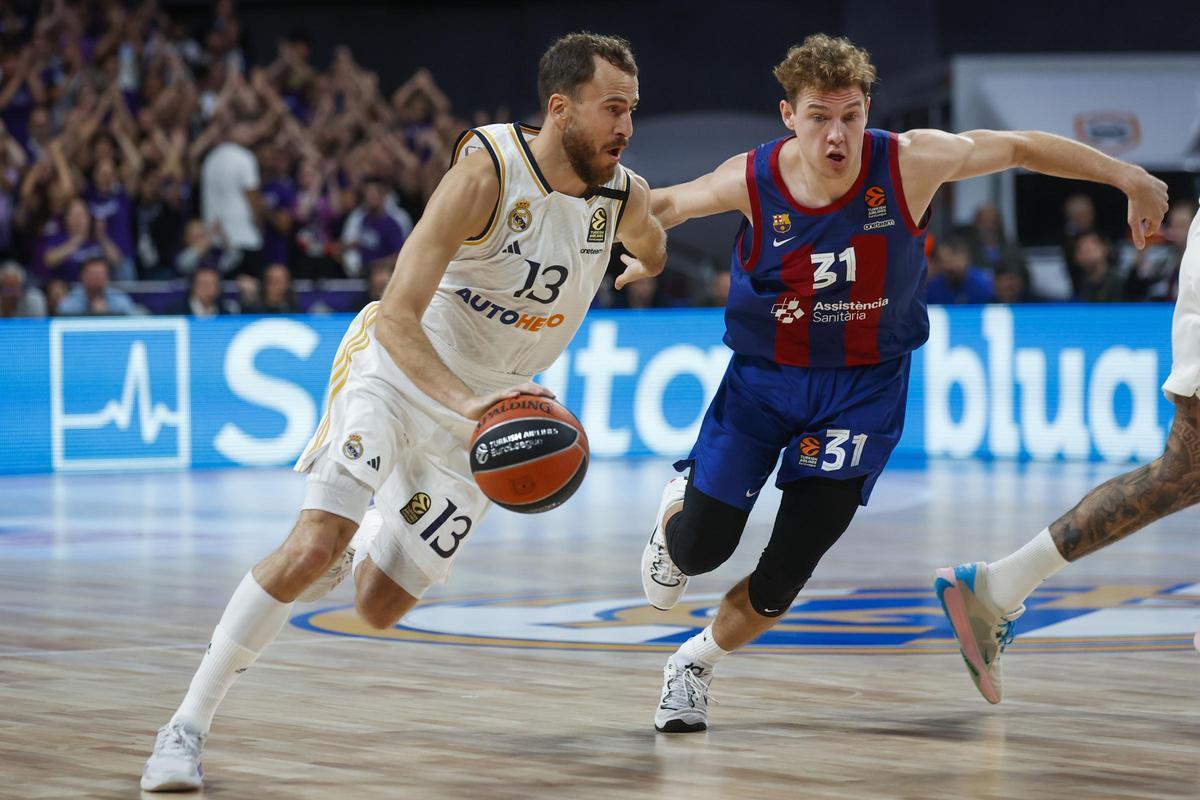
{"x":980,"y":264}
{"x":149,"y":168}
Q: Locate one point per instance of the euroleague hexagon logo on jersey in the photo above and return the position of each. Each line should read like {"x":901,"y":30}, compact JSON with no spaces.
{"x":876,"y":199}
{"x":520,"y":217}
{"x":598,"y":226}
{"x":781,"y":223}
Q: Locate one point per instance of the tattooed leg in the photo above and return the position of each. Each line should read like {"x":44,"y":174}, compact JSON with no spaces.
{"x":1130,"y":502}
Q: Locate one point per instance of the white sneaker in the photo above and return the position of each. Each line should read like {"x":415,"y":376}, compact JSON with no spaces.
{"x":662,"y":581}
{"x":174,"y":766}
{"x":684,"y":704}
{"x":367,"y":530}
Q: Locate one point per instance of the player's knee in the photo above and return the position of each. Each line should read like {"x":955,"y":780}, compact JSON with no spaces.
{"x":695,"y":553}
{"x":704,"y":534}
{"x":380,"y":611}
{"x":379,"y":600}
{"x":314,"y":542}
{"x":378,"y":615}
{"x":308,"y":559}
{"x":771,"y":595}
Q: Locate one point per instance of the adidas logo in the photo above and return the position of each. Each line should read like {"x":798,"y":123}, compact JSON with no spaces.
{"x":374,"y":462}
{"x":513,"y":248}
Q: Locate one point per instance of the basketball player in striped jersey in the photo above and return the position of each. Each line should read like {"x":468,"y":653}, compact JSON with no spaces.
{"x":826,"y":304}
{"x":983,"y":600}
{"x":487,"y":292}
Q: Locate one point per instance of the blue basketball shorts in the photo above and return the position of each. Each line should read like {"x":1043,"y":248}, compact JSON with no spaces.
{"x":829,"y":423}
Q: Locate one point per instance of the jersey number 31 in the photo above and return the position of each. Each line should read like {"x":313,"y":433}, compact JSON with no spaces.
{"x":823,"y":275}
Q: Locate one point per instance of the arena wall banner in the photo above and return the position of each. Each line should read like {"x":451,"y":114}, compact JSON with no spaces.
{"x":1034,"y":382}
{"x":1114,"y":102}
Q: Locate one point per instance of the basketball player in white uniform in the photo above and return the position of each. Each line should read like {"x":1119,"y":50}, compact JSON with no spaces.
{"x":487,"y":292}
{"x":984,"y":600}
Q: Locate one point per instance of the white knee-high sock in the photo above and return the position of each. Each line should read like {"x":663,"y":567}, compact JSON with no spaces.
{"x":1011,"y":579}
{"x":251,"y":621}
{"x":700,"y":648}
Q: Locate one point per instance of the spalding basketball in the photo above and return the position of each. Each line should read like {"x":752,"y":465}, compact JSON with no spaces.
{"x":529,"y":454}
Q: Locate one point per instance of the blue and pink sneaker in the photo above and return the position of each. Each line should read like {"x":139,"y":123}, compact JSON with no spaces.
{"x":983,"y":630}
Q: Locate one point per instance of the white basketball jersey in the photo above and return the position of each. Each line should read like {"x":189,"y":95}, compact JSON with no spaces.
{"x":514,"y":295}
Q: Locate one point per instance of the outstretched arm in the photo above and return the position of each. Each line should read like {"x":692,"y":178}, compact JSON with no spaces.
{"x":458,"y":209}
{"x":929,"y":158}
{"x":643,"y":235}
{"x":723,"y":189}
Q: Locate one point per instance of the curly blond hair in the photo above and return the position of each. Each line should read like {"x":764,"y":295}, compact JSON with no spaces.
{"x":826,"y":64}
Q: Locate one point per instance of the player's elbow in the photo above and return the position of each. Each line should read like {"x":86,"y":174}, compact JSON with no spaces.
{"x":397,"y":322}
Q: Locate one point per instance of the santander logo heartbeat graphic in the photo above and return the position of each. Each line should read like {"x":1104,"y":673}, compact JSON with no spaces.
{"x":158,"y":358}
{"x":136,"y":391}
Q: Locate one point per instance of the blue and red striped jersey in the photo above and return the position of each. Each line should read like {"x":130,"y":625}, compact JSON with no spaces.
{"x":838,"y":286}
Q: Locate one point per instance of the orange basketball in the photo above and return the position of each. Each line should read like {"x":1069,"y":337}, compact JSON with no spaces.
{"x":529,"y":454}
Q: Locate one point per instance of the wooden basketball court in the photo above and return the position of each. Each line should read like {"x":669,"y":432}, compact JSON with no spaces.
{"x":535,"y":672}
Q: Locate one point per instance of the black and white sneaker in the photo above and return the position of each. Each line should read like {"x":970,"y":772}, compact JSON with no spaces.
{"x":684,"y":704}
{"x":662,"y":581}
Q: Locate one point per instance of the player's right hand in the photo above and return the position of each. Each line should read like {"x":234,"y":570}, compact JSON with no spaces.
{"x":476,"y":406}
{"x":1148,"y":205}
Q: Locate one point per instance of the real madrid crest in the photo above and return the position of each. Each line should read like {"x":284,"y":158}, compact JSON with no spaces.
{"x":781,"y":223}
{"x":353,"y":448}
{"x":520,"y":217}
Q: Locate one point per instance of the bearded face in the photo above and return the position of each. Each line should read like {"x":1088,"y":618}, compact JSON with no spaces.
{"x":595,"y":164}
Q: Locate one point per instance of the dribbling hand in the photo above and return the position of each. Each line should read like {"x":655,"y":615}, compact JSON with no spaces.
{"x":476,"y":406}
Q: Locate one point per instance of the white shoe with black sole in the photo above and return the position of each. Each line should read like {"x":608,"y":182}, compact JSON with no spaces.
{"x":662,"y":581}
{"x":684,"y":704}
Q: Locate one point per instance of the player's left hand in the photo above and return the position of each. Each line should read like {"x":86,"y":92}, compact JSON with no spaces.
{"x":1147,"y":207}
{"x":634,"y":271}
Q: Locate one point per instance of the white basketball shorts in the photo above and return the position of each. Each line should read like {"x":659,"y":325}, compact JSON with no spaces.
{"x":1184,"y":380}
{"x":403,"y":446}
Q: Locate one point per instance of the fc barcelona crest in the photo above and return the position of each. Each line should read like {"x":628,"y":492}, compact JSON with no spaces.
{"x":520,"y":217}
{"x":781,"y":223}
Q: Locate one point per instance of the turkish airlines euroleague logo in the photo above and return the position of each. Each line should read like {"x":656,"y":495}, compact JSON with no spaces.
{"x":876,"y":200}
{"x":810,"y":451}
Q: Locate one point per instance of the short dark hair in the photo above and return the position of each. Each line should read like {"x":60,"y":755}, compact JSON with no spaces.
{"x":569,"y":62}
